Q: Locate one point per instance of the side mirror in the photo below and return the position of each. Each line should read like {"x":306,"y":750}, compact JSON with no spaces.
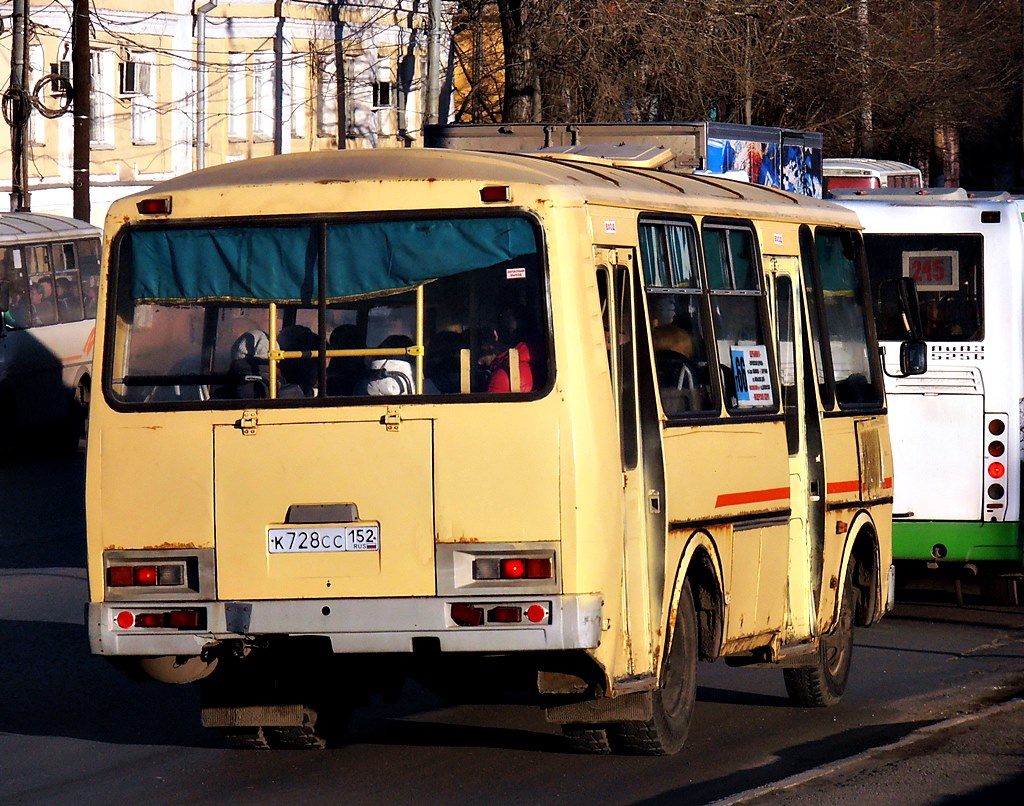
{"x":913,"y":357}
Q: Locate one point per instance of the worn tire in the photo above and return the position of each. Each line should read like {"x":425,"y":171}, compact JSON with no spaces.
{"x":824,"y":683}
{"x":665,"y":732}
{"x":592,"y":739}
{"x":245,"y":738}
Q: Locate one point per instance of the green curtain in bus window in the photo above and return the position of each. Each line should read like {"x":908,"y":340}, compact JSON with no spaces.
{"x":716,"y":257}
{"x":237,"y":263}
{"x":366,"y":258}
{"x":280,"y":263}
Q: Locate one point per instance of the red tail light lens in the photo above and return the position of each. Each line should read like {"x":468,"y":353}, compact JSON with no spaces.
{"x":996,"y":448}
{"x":513,"y":569}
{"x":996,"y":427}
{"x":538,"y":568}
{"x":120,"y":576}
{"x":466,"y":615}
{"x":183,"y":619}
{"x":145,"y":574}
{"x":537,"y":613}
{"x":997,"y":470}
{"x":125,"y":620}
{"x":149,"y":619}
{"x":505,"y":615}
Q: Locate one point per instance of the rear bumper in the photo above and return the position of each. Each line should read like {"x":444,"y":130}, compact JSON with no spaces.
{"x":352,"y":625}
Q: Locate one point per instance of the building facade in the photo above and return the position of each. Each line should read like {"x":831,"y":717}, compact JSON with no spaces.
{"x":256,"y":77}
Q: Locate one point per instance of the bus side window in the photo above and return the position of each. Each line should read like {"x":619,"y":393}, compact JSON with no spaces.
{"x":42,"y":297}
{"x":736,"y":310}
{"x":66,"y":282}
{"x":89,"y":269}
{"x":12,"y":270}
{"x":675,"y":305}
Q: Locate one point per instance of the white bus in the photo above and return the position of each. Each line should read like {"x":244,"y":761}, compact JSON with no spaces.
{"x":845,"y":173}
{"x":49,"y":278}
{"x":955,"y":429}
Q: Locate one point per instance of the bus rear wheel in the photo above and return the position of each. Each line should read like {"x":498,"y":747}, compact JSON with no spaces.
{"x":665,"y":732}
{"x":824,"y":683}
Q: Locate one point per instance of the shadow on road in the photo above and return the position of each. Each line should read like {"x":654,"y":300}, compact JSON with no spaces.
{"x":52,"y":686}
{"x":43,"y":523}
{"x":786,"y":762}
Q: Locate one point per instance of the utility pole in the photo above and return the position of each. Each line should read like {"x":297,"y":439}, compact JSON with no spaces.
{"x":434,"y":62}
{"x":81,"y":101}
{"x":18,"y":107}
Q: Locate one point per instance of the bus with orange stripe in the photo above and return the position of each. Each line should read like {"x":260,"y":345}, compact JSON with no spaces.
{"x":49,"y":282}
{"x":471,"y":418}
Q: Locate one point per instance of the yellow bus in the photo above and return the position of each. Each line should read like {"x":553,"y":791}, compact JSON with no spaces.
{"x":467,"y":417}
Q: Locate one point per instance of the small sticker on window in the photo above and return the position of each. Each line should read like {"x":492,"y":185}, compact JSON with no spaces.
{"x":778,"y":239}
{"x":609,"y":227}
{"x":515,"y":274}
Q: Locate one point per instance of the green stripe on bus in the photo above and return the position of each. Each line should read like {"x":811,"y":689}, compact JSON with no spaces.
{"x":964,"y":541}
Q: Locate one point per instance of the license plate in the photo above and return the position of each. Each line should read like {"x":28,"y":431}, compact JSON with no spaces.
{"x":324,"y":537}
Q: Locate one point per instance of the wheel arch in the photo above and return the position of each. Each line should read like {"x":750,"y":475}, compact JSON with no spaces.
{"x":702,"y":567}
{"x":862,"y":556}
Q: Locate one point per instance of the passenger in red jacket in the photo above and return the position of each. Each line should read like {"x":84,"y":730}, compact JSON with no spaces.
{"x":531,"y":368}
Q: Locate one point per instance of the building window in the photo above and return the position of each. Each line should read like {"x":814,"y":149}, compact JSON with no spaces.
{"x":382,"y":97}
{"x":144,"y":126}
{"x":295,"y":95}
{"x":327,"y":97}
{"x":237,"y":98}
{"x":263,"y":95}
{"x":102,"y":98}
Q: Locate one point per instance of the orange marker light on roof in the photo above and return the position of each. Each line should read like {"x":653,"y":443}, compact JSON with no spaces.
{"x":157,"y":206}
{"x":496,"y":193}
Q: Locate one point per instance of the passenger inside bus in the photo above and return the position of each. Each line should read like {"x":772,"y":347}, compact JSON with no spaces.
{"x":389,"y":375}
{"x":344,"y":371}
{"x":298,"y":375}
{"x":44,"y":305}
{"x":249,"y":366}
{"x":516,"y":335}
{"x":443,"y":363}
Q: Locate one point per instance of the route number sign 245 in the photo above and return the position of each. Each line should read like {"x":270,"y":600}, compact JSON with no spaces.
{"x":933,"y":271}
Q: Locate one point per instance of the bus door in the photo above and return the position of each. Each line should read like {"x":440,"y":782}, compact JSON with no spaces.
{"x":803,"y":438}
{"x":643,"y":474}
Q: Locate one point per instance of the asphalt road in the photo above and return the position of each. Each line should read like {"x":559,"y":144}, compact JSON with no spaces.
{"x":74,"y":730}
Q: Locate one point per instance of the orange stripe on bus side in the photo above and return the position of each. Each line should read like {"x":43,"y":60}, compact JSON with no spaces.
{"x":843,"y":487}
{"x":752,"y":497}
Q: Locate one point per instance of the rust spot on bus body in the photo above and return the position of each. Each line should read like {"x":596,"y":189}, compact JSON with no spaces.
{"x":158,"y":547}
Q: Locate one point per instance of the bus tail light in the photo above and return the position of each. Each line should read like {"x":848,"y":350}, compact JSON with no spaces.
{"x":997,"y":465}
{"x":187,"y":618}
{"x":513,"y":568}
{"x":146,"y":575}
{"x":505,"y":614}
{"x":469,"y":615}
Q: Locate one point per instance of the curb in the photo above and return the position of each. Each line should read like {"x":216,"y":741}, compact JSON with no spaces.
{"x":872,"y":754}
